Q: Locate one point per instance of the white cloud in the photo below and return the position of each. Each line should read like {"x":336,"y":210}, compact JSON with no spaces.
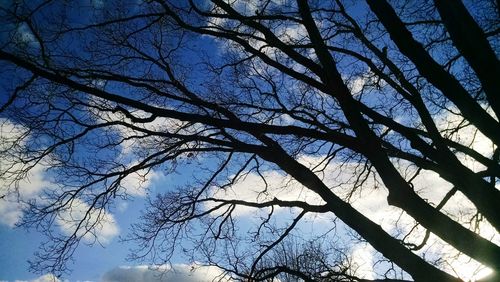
{"x":98,"y":224}
{"x":137,"y":183}
{"x":361,"y":261}
{"x":469,"y":136}
{"x":98,"y":4}
{"x":357,"y":84}
{"x":14,"y":193}
{"x":12,"y":206}
{"x":251,"y":188}
{"x":135,"y":143}
{"x":174,"y":273}
{"x":44,"y":278}
{"x":291,"y":33}
{"x":23,"y":37}
{"x":372,"y":202}
{"x":33,"y":183}
{"x":286,"y":119}
{"x":452,"y":261}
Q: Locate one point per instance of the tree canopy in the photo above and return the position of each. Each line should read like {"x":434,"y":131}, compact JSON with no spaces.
{"x":364,"y":122}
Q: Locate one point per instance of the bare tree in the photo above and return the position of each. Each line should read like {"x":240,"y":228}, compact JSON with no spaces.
{"x":375,"y":95}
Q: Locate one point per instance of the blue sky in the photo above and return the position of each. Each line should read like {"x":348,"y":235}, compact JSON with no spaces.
{"x":90,"y":263}
{"x":108,"y":262}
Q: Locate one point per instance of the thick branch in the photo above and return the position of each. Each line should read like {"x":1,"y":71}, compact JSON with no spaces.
{"x":472,"y":43}
{"x":434,"y":73}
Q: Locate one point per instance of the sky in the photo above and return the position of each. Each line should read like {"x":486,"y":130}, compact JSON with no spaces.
{"x":107,"y":262}
{"x":91,"y":263}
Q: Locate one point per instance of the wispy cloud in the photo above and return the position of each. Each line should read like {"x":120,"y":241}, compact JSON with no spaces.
{"x":92,"y":223}
{"x":16,"y":191}
{"x":138,"y":183}
{"x":30,"y":186}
